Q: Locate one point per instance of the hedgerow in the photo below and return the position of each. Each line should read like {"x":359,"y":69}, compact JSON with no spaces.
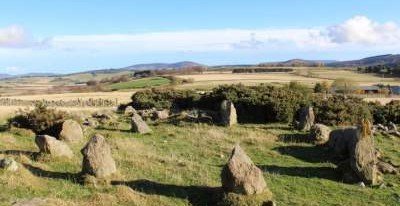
{"x":266,"y":103}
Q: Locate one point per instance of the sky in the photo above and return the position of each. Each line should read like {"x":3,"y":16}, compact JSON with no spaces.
{"x":64,"y":36}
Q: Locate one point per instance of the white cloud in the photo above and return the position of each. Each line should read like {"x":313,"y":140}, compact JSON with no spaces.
{"x":358,"y":32}
{"x":17,"y":37}
{"x":361,"y":30}
{"x":197,"y":40}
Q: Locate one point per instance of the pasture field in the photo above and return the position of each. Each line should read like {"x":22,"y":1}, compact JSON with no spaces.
{"x":140,"y":83}
{"x":181,"y":164}
{"x":307,"y":76}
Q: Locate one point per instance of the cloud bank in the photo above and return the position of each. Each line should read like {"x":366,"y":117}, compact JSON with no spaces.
{"x":358,"y":31}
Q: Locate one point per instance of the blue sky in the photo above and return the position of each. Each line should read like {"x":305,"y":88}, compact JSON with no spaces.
{"x":72,"y":35}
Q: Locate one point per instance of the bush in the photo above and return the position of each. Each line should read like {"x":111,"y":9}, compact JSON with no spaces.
{"x":165,"y":99}
{"x":40,"y":120}
{"x":384,"y":114}
{"x":266,"y":103}
{"x":340,"y":110}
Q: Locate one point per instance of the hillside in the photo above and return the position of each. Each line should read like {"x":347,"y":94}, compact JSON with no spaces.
{"x":388,"y":59}
{"x":153,"y":66}
{"x":2,"y":76}
{"x":296,"y":63}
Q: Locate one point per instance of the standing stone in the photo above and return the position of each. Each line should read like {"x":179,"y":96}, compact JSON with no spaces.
{"x":306,"y":119}
{"x":363,"y":157}
{"x":340,"y":141}
{"x":50,"y":145}
{"x":97,"y":159}
{"x":228,"y":113}
{"x":71,"y":131}
{"x":129,"y":110}
{"x":319,"y":133}
{"x":241,"y":176}
{"x":8,"y":164}
{"x":138,"y":125}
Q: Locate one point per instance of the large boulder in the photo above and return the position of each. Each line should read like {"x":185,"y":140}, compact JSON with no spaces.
{"x":355,"y":147}
{"x":52,"y":146}
{"x":138,"y":125}
{"x":319,"y":133}
{"x":340,"y":141}
{"x":228,"y":113}
{"x":306,"y":119}
{"x":71,"y":131}
{"x":241,"y":176}
{"x":97,"y":158}
{"x":363,"y":159}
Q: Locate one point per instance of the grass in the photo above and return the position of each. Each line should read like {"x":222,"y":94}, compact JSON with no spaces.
{"x":141,"y":83}
{"x":181,"y":165}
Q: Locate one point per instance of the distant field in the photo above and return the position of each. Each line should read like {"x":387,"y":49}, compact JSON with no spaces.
{"x":303,"y":75}
{"x":140,"y":83}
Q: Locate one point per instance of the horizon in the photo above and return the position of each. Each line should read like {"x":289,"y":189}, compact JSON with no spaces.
{"x":71,"y":36}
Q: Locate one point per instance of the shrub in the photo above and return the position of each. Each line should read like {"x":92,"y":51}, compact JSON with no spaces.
{"x":340,"y":110}
{"x":40,"y":120}
{"x":345,"y":86}
{"x":384,"y":114}
{"x":165,"y":99}
{"x":263,"y":103}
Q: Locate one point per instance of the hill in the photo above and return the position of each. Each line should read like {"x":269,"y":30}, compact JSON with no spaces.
{"x":138,"y":67}
{"x":388,"y":59}
{"x":297,"y":63}
{"x":154,"y":66}
{"x":3,"y":76}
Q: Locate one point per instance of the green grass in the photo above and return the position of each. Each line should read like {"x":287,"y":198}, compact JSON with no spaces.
{"x":180,"y":165}
{"x":141,"y":83}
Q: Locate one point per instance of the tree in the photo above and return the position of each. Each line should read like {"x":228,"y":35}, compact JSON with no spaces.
{"x":322,"y":87}
{"x":345,"y":86}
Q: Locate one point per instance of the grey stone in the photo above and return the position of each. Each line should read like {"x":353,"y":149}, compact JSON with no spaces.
{"x":129,"y":111}
{"x":306,"y":119}
{"x":71,"y":131}
{"x":138,"y":125}
{"x":97,"y":158}
{"x":228,"y":113}
{"x":319,"y":133}
{"x":50,"y":145}
{"x":241,"y":176}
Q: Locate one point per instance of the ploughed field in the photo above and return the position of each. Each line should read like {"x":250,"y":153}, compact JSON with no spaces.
{"x":180,"y":164}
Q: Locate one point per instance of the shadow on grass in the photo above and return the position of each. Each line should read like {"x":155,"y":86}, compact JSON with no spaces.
{"x":20,"y":152}
{"x":295,"y":138}
{"x":73,"y":177}
{"x":312,"y":154}
{"x":113,"y":130}
{"x":197,"y":195}
{"x":329,"y":173}
{"x":3,"y":128}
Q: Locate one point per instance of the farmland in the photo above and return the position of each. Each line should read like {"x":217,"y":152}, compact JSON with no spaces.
{"x":180,"y":163}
